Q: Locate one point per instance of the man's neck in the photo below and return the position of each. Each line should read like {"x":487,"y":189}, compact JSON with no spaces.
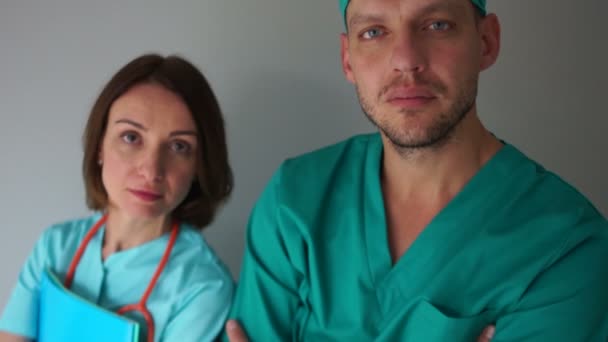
{"x":123,"y":232}
{"x":434,"y":175}
{"x":418,"y":184}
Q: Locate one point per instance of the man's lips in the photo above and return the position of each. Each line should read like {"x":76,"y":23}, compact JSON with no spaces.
{"x":409,"y":97}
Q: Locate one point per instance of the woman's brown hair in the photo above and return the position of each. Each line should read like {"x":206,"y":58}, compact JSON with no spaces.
{"x":213,"y":181}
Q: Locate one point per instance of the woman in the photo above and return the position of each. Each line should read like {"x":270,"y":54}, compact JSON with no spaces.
{"x":156,"y":170}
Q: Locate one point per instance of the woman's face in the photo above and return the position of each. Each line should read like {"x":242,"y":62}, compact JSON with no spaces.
{"x":149,"y":152}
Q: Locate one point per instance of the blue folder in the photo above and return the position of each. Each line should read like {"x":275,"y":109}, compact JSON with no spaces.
{"x":64,"y":316}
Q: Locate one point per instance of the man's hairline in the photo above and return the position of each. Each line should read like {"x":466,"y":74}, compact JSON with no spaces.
{"x":478,"y":15}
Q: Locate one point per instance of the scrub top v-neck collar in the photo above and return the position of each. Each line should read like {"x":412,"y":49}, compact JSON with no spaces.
{"x":89,"y":281}
{"x":394,"y":281}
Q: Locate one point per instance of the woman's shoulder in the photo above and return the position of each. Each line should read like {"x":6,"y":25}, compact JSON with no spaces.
{"x":58,"y":242}
{"x":195,"y":256}
{"x":69,"y":231}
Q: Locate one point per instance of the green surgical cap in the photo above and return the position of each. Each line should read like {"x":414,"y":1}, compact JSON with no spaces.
{"x":480,"y":4}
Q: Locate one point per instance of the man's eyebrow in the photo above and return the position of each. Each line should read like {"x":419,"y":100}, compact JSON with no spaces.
{"x":358,"y":19}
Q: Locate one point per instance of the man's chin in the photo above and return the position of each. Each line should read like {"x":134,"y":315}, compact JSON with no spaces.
{"x":417,"y":139}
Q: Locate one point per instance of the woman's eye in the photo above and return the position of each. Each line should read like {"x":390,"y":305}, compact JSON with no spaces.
{"x":130,"y":137}
{"x":180,"y":147}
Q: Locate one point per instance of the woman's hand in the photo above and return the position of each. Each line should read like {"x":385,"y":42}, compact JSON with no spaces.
{"x":6,"y":337}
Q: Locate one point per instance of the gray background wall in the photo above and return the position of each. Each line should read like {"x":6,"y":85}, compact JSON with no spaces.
{"x":274,"y":65}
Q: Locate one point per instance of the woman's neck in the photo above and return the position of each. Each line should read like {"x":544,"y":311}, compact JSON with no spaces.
{"x":123,"y":232}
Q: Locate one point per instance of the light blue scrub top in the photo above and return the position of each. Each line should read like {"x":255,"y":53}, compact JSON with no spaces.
{"x":190,"y":301}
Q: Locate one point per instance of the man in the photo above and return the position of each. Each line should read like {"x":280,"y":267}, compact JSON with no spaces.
{"x":433,"y":228}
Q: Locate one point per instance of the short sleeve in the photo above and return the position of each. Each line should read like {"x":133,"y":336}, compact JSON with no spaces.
{"x":20,"y":316}
{"x":202,"y":315}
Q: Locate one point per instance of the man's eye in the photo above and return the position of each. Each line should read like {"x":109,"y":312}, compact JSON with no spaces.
{"x":440,"y":26}
{"x":372,"y":33}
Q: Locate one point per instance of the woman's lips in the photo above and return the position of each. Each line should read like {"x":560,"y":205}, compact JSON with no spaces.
{"x":147,"y":196}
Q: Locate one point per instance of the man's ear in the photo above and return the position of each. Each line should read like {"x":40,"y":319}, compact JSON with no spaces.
{"x":489,"y":29}
{"x":345,"y":56}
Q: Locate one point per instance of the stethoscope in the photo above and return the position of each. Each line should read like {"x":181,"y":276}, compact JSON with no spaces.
{"x":141,"y":305}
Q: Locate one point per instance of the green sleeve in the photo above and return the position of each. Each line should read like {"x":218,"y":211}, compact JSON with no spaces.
{"x":569,"y":300}
{"x":267,"y":298}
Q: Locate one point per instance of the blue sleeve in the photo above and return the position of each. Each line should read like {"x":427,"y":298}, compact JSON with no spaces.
{"x":202,"y":315}
{"x":20,"y":316}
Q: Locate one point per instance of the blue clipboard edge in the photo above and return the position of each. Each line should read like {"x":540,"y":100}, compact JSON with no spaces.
{"x":53,"y":278}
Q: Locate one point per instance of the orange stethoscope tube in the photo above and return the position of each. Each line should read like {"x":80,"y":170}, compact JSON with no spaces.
{"x":141,"y":305}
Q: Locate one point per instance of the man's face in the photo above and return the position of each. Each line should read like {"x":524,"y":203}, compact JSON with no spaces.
{"x":415,"y":64}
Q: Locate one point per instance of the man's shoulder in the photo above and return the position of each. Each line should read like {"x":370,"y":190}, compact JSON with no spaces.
{"x":547,"y":209}
{"x":566,"y":212}
{"x":332,"y":174}
{"x":326,"y":159}
{"x":549,"y":192}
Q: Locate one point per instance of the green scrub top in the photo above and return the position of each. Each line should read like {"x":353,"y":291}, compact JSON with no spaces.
{"x":190,"y":301}
{"x":517,"y":247}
